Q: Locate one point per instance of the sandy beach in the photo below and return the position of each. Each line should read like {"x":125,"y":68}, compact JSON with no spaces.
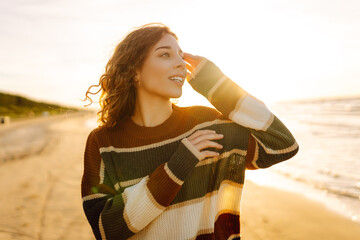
{"x":40,"y":197}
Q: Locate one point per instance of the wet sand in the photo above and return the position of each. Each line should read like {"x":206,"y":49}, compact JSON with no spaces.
{"x":40,"y":197}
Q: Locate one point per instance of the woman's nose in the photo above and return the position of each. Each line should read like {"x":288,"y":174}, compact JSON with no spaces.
{"x":180,"y":62}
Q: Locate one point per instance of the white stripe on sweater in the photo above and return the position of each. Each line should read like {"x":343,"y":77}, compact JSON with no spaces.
{"x":256,"y":155}
{"x":101,"y":229}
{"x":93,"y":196}
{"x":252,"y":113}
{"x":172,"y":176}
{"x":279,"y":151}
{"x":229,"y":198}
{"x":140,"y":208}
{"x":102,"y":171}
{"x":215,"y":87}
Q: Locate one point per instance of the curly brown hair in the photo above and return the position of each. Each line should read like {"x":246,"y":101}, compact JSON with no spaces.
{"x":117,"y":85}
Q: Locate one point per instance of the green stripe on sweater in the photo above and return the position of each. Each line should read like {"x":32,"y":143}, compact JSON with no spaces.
{"x":141,"y":163}
{"x":207,"y":178}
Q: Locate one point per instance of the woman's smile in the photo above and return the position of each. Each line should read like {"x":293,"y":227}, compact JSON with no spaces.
{"x":178,"y":79}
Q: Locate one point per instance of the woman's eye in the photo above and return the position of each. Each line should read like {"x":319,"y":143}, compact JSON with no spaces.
{"x":165,"y":54}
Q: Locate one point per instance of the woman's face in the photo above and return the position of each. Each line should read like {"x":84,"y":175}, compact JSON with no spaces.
{"x":163,"y":62}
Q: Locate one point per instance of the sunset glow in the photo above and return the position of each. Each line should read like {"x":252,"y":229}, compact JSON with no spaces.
{"x":275,"y":50}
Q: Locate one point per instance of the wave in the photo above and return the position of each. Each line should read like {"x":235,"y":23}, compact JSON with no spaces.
{"x":325,"y":107}
{"x":337,"y":189}
{"x":329,"y":124}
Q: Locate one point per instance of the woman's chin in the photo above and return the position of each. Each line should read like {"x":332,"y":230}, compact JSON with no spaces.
{"x":175,"y":94}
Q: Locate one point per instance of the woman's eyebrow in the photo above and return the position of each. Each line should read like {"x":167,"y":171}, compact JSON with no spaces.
{"x":167,"y":47}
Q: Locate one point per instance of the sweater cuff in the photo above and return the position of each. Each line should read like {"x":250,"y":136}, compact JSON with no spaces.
{"x":184,"y":160}
{"x":192,"y":149}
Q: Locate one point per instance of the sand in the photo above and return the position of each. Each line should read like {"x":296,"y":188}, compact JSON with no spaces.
{"x":269,"y":213}
{"x":40,"y":197}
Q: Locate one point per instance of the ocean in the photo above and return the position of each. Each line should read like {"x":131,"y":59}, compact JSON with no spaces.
{"x":327,"y":166}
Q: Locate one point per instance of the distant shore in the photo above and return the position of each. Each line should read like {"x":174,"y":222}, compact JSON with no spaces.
{"x":41,"y":197}
{"x":16,"y":106}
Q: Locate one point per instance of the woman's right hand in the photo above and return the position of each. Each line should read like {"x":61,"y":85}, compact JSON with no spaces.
{"x":201,"y":139}
{"x":192,"y":62}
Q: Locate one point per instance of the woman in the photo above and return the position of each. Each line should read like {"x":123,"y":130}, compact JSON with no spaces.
{"x":154,"y":170}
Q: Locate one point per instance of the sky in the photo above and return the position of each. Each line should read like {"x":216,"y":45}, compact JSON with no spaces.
{"x":53,"y":50}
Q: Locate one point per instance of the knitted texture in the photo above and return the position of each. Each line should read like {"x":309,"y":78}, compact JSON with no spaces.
{"x":151,"y":183}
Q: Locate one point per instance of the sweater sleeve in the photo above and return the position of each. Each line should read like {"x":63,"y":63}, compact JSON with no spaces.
{"x":270,"y":141}
{"x":119,"y":214}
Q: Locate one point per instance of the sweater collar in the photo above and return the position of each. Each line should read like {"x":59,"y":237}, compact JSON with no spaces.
{"x":157,"y":131}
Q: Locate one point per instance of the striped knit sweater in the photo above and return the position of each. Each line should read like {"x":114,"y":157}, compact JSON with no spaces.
{"x":152,"y":183}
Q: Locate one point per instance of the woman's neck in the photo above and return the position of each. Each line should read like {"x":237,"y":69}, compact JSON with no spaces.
{"x":151,"y":113}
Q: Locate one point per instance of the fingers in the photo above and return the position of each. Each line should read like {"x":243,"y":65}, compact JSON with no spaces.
{"x":207,"y":154}
{"x":199,"y":133}
{"x":193,"y":60}
{"x":190,"y":57}
{"x":189,"y":67}
{"x":207,"y":136}
{"x":202,"y":139}
{"x":208,"y":144}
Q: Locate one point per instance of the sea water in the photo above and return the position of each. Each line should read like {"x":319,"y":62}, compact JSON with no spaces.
{"x":327,"y":166}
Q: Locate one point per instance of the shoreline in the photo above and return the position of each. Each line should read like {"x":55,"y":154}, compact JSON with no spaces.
{"x":346,"y":208}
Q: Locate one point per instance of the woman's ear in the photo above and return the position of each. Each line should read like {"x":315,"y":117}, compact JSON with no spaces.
{"x":137,"y":76}
{"x":137,"y":79}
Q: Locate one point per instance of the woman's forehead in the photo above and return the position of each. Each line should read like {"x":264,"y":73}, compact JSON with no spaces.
{"x":167,"y":42}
